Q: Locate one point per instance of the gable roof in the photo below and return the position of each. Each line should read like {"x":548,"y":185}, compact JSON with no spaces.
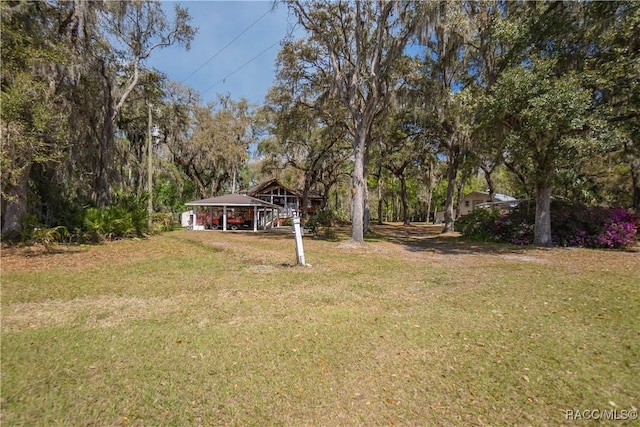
{"x":273,"y":182}
{"x":264,"y":185}
{"x":237,"y":200}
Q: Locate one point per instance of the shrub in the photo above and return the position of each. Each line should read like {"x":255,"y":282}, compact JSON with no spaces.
{"x":620,"y":230}
{"x":479,"y":224}
{"x":516,"y":226}
{"x":126,"y":218}
{"x":572,"y":224}
{"x":592,"y":226}
{"x":341,"y":217}
{"x":163,"y":221}
{"x":323,"y":219}
{"x":33,"y":232}
{"x":50,"y":237}
{"x":28,"y":226}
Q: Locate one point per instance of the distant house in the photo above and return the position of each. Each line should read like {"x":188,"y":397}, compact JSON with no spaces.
{"x":479,"y":199}
{"x":268,"y":204}
{"x":230,"y":211}
{"x":290,"y":200}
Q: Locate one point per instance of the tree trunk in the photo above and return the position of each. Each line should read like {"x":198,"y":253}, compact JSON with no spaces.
{"x":102,"y":189}
{"x":305,"y":198}
{"x":325,"y":196}
{"x":366,"y":221}
{"x":233,"y":182}
{"x":15,"y":201}
{"x":430,"y":188}
{"x":367,"y":209}
{"x":380,"y":207}
{"x":193,"y":174}
{"x":452,"y":173}
{"x":405,"y":200}
{"x":542,"y":228}
{"x":358,"y":189}
{"x":429,"y":202}
{"x":492,"y":186}
{"x":459,"y":188}
{"x":105,"y":163}
{"x":634,"y":168}
{"x":427,"y":206}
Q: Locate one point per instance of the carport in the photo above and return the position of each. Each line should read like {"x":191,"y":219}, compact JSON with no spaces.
{"x":259,"y":207}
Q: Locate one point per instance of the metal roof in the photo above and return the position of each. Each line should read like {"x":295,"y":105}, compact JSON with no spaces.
{"x":233,"y":200}
{"x":497,"y":196}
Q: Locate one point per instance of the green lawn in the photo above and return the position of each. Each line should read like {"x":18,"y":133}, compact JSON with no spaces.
{"x":414,"y":328}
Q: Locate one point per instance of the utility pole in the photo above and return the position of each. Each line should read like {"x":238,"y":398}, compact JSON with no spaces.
{"x":150,"y":171}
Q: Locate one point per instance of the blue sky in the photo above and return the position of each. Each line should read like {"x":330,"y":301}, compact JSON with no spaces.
{"x":220,"y":22}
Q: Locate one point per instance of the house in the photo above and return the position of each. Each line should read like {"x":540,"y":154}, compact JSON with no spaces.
{"x":479,"y":199}
{"x":232,"y":211}
{"x":482,"y":199}
{"x":268,"y":204}
{"x":290,"y":200}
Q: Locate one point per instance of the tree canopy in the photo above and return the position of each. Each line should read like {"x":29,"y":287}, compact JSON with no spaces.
{"x":420,"y":101}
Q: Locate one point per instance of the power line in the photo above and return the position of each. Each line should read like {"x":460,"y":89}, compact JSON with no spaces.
{"x":226,"y":46}
{"x":240,"y":67}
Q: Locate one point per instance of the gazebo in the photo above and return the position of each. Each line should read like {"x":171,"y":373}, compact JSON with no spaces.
{"x":234,"y":201}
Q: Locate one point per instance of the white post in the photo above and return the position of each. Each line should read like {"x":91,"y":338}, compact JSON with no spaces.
{"x":299,"y":248}
{"x":255,"y":218}
{"x":224,"y":218}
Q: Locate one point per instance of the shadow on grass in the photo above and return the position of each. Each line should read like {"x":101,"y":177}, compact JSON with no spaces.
{"x":421,"y":238}
{"x":415,"y":238}
{"x":39,"y":250}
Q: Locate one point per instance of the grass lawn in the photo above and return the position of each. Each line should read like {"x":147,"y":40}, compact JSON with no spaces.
{"x":414,"y":328}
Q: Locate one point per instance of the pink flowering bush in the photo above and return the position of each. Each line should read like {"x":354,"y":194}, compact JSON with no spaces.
{"x":571,"y":225}
{"x":620,"y":230}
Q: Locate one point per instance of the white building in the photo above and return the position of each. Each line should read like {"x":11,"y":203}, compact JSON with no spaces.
{"x":479,"y":199}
